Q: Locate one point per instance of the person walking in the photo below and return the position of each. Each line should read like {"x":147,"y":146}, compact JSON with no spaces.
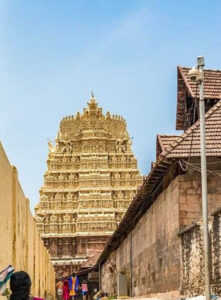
{"x":65,"y":288}
{"x":20,"y":286}
{"x":84,"y":289}
{"x":73,"y":286}
{"x":59,"y":287}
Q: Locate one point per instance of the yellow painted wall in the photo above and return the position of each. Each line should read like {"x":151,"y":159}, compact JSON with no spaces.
{"x":20,"y":242}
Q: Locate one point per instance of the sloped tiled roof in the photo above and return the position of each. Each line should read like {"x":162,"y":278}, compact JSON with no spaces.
{"x":212,"y":83}
{"x":188,"y":144}
{"x":175,"y":147}
{"x":165,"y":140}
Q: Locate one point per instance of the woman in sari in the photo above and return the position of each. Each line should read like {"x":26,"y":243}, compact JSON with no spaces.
{"x":65,"y":288}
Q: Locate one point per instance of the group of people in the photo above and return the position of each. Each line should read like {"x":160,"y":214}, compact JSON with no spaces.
{"x":20,"y":286}
{"x":69,"y":287}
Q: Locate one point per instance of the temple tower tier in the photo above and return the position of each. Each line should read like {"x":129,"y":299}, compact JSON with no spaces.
{"x":91,"y":179}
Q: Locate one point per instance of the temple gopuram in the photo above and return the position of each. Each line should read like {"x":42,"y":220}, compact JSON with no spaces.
{"x":91,"y":179}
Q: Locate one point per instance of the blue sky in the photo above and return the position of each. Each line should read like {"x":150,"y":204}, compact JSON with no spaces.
{"x":53,"y":53}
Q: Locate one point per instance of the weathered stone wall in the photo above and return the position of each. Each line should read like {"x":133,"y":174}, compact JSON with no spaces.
{"x":20,"y":243}
{"x":109,"y":275}
{"x":216,"y":251}
{"x":162,"y":261}
{"x":155,"y":250}
{"x":193,"y":257}
{"x":192,"y":261}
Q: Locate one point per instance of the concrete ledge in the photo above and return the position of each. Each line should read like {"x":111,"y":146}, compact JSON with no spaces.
{"x":187,"y":228}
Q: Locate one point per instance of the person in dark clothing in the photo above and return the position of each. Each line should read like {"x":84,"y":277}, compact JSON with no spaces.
{"x":20,"y":285}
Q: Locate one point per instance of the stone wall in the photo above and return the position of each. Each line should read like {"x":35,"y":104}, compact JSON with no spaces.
{"x":193,"y":257}
{"x":192,"y":261}
{"x":154,"y":241}
{"x":216,"y":251}
{"x":109,"y":275}
{"x":162,"y":260}
{"x":20,"y":243}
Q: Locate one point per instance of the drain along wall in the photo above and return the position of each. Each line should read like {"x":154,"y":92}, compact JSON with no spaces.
{"x":20,"y":243}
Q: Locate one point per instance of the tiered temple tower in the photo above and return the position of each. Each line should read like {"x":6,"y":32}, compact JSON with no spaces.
{"x":91,"y":179}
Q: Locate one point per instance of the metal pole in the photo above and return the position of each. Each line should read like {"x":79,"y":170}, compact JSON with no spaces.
{"x":200,"y":64}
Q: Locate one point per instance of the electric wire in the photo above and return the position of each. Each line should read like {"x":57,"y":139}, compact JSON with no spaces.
{"x":189,"y":167}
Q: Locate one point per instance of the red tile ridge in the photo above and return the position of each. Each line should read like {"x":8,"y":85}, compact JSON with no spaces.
{"x":164,"y":140}
{"x":211,"y":70}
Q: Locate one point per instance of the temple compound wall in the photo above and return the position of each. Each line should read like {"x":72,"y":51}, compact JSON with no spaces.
{"x":20,"y":242}
{"x":156,"y":256}
{"x":193,"y":256}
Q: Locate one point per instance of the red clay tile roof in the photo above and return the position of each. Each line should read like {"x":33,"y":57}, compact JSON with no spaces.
{"x":188,"y":144}
{"x":212,"y":83}
{"x":165,"y":140}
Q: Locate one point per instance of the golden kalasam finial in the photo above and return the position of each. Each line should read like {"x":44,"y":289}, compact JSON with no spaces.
{"x":92,"y":103}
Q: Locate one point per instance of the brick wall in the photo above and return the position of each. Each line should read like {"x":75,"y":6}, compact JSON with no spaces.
{"x":190,"y":196}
